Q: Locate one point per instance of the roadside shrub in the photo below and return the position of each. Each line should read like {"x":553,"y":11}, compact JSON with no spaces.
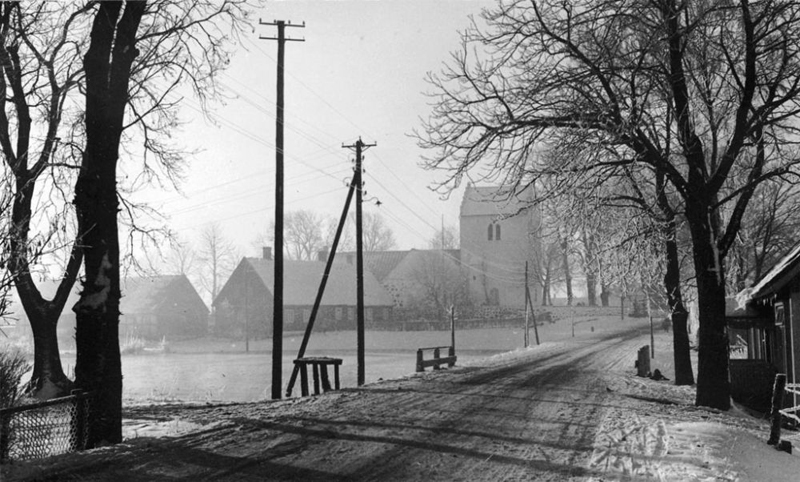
{"x":13,"y":366}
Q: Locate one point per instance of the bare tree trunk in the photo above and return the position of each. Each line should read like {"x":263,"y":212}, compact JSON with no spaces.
{"x":107,"y":63}
{"x":713,"y":378}
{"x":672,"y":283}
{"x":680,"y":334}
{"x":546,"y":287}
{"x":48,"y":379}
{"x":591,"y":288}
{"x":604,"y":294}
{"x":567,"y":273}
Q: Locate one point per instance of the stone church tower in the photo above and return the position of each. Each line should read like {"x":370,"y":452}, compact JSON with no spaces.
{"x":496,"y":230}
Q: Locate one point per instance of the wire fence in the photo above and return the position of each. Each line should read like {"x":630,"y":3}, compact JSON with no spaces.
{"x":53,"y":427}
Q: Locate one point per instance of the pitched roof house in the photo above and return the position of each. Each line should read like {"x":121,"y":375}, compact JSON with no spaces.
{"x":151,"y":307}
{"x":409,"y":276}
{"x":162,"y":306}
{"x":244,"y":304}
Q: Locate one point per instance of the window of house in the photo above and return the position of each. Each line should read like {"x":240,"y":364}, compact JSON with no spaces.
{"x":338,"y":313}
{"x":497,"y":232}
{"x":351,"y":313}
{"x":491,"y":232}
{"x":386,"y":314}
{"x":368,"y":314}
{"x":306,"y":315}
{"x":288,"y":315}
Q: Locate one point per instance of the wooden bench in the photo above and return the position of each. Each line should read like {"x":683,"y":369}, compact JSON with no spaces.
{"x":437,"y":359}
{"x":319,"y":366}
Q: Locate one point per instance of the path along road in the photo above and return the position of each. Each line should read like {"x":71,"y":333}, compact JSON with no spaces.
{"x":530,"y":416}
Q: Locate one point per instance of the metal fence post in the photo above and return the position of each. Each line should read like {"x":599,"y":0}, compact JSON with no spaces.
{"x":80,"y":419}
{"x":4,"y":436}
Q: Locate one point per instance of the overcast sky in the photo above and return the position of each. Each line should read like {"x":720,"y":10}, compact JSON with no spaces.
{"x":359,"y":73}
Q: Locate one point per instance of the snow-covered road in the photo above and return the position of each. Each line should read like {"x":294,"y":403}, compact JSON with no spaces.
{"x":561,"y":411}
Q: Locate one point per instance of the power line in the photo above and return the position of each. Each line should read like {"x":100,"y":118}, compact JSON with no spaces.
{"x":385,"y":165}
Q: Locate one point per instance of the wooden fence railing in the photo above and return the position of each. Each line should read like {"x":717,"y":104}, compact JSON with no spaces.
{"x":437,"y":360}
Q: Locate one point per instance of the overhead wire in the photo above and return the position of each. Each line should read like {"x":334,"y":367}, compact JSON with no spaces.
{"x":385,"y":165}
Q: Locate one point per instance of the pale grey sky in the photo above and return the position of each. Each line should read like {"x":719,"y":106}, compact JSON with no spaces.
{"x":360,"y":72}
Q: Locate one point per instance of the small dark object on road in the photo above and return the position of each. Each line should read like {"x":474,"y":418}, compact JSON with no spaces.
{"x":657,"y":375}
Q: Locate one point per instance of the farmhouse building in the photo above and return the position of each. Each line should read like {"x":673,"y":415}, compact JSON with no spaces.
{"x":413,"y":277}
{"x":151,"y":308}
{"x":496,"y":230}
{"x":155,"y":307}
{"x":244,"y":304}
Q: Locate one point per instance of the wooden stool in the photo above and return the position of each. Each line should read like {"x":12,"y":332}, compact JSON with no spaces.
{"x":320,"y":367}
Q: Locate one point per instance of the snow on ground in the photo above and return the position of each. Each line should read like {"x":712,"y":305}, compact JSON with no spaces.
{"x":672,"y":440}
{"x":653,"y":431}
{"x":648,"y":430}
{"x":681,"y":442}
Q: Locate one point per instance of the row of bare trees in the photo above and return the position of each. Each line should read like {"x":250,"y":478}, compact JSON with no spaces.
{"x":678,"y":113}
{"x":307,"y":232}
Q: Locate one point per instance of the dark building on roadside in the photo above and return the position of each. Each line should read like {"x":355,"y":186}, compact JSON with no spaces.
{"x":765,"y":333}
{"x":244,"y":304}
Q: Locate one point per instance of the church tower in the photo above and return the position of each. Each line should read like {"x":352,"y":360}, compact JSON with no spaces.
{"x":496,"y":229}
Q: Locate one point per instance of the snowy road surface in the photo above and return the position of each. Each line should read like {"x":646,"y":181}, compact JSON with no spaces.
{"x":561,"y":411}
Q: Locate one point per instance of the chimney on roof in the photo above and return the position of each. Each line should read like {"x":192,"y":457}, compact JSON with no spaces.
{"x":266,"y":252}
{"x":322,"y":255}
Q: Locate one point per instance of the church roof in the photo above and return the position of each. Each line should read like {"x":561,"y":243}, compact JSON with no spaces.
{"x":493,"y":201}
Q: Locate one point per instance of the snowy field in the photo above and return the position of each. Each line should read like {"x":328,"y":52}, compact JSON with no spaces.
{"x":219,"y":370}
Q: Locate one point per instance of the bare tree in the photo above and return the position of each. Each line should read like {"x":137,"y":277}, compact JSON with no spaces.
{"x":445,"y":238}
{"x":179,"y":41}
{"x":697,"y":91}
{"x":182,"y":258}
{"x":769,"y":230}
{"x":347,"y":240}
{"x":378,"y":236}
{"x":439,"y":276}
{"x":39,"y":71}
{"x":218,"y":257}
{"x":107,"y":63}
{"x":303,"y":234}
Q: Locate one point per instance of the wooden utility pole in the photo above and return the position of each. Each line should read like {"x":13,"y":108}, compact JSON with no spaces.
{"x":526,"y":337}
{"x":277,"y":291}
{"x":359,"y":147}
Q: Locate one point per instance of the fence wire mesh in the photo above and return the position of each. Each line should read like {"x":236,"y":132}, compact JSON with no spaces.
{"x":41,"y":430}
